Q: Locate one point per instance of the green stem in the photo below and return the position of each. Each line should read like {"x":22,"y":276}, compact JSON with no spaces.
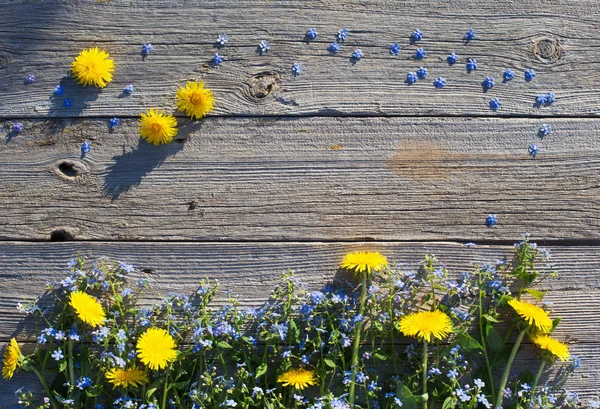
{"x":165,"y":390}
{"x":483,"y":344}
{"x":504,"y":379}
{"x":537,"y":377}
{"x":357,"y":331}
{"x":42,"y":379}
{"x":424,"y":375}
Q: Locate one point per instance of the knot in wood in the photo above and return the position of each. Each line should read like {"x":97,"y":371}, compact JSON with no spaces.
{"x":548,"y":50}
{"x":262,"y":84}
{"x":5,"y":60}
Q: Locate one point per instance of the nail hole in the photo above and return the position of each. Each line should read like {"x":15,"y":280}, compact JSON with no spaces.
{"x":61,"y":235}
{"x":67,"y":169}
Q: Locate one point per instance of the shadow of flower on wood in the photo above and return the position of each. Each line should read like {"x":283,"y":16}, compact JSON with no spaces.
{"x":131,"y":167}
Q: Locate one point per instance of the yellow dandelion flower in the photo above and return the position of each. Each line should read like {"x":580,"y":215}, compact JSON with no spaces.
{"x":426,"y":324}
{"x":87,"y":308}
{"x":156,"y":127}
{"x":127,"y":377}
{"x":532,"y":314}
{"x":195,"y":100}
{"x":554,"y":346}
{"x":298,"y":378}
{"x":364,"y":262}
{"x":12,"y":355}
{"x":156,"y":348}
{"x":93,"y":67}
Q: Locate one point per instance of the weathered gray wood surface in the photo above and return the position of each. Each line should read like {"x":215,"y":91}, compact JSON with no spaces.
{"x":250,"y":270}
{"x":304,"y":179}
{"x":558,"y":39}
{"x":297,"y":192}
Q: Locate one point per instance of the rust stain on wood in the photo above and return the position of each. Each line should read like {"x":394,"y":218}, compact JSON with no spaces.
{"x":422,"y":160}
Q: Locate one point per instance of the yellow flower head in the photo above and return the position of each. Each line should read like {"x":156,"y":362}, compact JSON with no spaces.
{"x":298,"y":378}
{"x":157,"y":127}
{"x":532,"y":314}
{"x":364,"y":262}
{"x":93,"y":67}
{"x":12,"y":354}
{"x":555,"y":347}
{"x":87,"y":308}
{"x":195,"y":100}
{"x":156,"y":348}
{"x":127,"y":377}
{"x":426,"y":324}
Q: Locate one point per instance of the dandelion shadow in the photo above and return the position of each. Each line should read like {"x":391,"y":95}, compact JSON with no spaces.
{"x":130,"y":168}
{"x":79,"y":95}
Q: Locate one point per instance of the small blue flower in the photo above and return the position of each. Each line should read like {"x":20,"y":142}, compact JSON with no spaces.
{"x":17,"y":127}
{"x":470,"y":35}
{"x":452,"y":374}
{"x":128,"y":89}
{"x":264,"y":46}
{"x":113,"y":122}
{"x":222,"y":39}
{"x":59,"y":90}
{"x":334,"y":47}
{"x":491,"y":220}
{"x":146,"y":48}
{"x":417,"y":35}
{"x":57,"y":355}
{"x":420,"y":53}
{"x":439,"y":82}
{"x":509,"y":74}
{"x":68,"y":103}
{"x":550,"y":98}
{"x":84,"y":383}
{"x":86,"y":147}
{"x":488,"y":82}
{"x":216,"y":59}
{"x":533,"y":150}
{"x":286,"y":354}
{"x":297,"y":68}
{"x":529,"y":75}
{"x":357,"y":54}
{"x":471,"y":64}
{"x":452,"y":58}
{"x":30,"y":78}
{"x":312,"y":33}
{"x":544,"y":130}
{"x":495,"y":104}
{"x":540,"y":99}
{"x":422,"y":72}
{"x":395,"y":49}
{"x":342,"y":34}
{"x":411,"y":78}
{"x":479,"y":383}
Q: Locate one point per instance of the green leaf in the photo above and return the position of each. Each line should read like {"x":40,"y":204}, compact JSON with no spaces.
{"x":406,"y":397}
{"x":95,"y":390}
{"x":329,"y":363}
{"x":261,"y":370}
{"x":224,"y":345}
{"x":539,"y":295}
{"x":555,"y":323}
{"x":63,"y":366}
{"x":380,"y":356}
{"x":449,"y":403}
{"x":469,"y":343}
{"x":489,"y":318}
{"x":152,"y":388}
{"x":492,"y":338}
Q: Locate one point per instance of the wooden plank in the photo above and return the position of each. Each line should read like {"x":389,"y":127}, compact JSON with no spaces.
{"x":251,"y":269}
{"x":557,"y":39}
{"x":303,"y":179}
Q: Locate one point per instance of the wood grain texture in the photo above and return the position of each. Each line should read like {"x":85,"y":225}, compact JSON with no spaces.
{"x":558,"y":39}
{"x":303,"y":179}
{"x":250,"y":270}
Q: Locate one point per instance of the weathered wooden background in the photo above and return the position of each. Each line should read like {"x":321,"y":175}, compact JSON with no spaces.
{"x":292,"y":172}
